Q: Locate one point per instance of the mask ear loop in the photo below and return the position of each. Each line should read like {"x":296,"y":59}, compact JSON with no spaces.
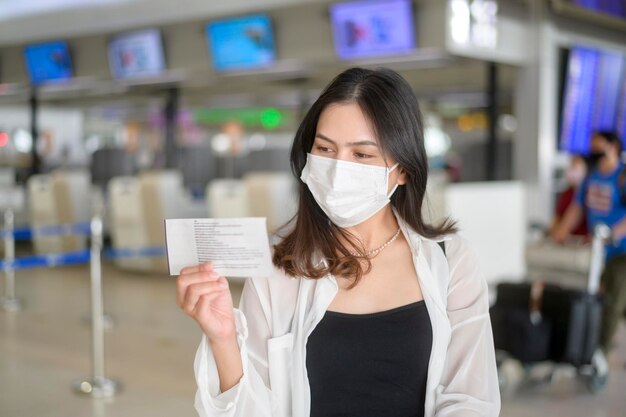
{"x":393,"y":190}
{"x":396,"y":165}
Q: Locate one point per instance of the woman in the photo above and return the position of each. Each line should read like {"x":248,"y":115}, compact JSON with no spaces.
{"x":364,"y":315}
{"x":575,"y":176}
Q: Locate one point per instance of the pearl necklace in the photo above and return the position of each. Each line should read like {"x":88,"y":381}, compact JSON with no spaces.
{"x":379,"y":249}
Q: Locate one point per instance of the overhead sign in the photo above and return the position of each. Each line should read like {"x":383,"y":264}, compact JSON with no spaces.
{"x":265,"y":117}
{"x":488,"y":30}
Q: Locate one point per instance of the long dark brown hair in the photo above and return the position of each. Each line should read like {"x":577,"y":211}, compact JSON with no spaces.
{"x":389,"y":104}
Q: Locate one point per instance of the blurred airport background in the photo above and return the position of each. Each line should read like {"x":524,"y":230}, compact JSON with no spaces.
{"x":134,"y":111}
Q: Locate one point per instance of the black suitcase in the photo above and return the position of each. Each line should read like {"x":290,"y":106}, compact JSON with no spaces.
{"x":576,"y":319}
{"x":569,"y":329}
{"x":516,"y":330}
{"x":516,"y":333}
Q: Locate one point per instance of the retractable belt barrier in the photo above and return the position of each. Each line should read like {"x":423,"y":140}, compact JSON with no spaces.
{"x":27,"y":233}
{"x":97,"y":385}
{"x":50,"y":260}
{"x":122,"y":253}
{"x":76,"y":258}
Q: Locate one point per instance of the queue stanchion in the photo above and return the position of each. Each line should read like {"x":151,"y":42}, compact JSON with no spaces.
{"x":9,"y":301}
{"x":98,"y":386}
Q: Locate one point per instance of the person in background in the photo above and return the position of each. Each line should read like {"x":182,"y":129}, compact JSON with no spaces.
{"x":603,"y":196}
{"x":575,"y":176}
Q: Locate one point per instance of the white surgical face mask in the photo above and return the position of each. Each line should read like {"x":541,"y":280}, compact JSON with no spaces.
{"x":349,"y":193}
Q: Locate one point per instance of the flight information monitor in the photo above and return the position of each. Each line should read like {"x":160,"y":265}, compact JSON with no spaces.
{"x":366,"y":29}
{"x":616,"y":8}
{"x":136,"y":55}
{"x":48,"y":62}
{"x":593,"y":97}
{"x":241,"y":44}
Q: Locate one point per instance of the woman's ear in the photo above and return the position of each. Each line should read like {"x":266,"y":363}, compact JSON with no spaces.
{"x":401,"y":176}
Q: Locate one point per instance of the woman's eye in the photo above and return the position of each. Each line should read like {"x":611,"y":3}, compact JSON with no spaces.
{"x":362,"y":155}
{"x":323,"y":149}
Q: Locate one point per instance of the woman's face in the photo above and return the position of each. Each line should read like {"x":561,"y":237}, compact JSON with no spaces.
{"x":344,"y":133}
{"x":576,"y":172}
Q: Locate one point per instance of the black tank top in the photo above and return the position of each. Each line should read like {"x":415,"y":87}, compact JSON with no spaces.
{"x":370,"y":365}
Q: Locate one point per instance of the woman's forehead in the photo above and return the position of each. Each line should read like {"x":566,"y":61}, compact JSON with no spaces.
{"x":345,"y":124}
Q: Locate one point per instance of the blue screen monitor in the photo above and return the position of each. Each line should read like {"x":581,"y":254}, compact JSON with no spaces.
{"x":616,"y":8}
{"x":48,"y":62}
{"x":373,"y":28}
{"x":241,"y":44}
{"x":593,"y":97}
{"x":621,"y":118}
{"x":136,"y":55}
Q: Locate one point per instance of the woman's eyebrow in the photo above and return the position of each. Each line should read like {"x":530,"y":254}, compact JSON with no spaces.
{"x":326,"y":138}
{"x":362,"y":142}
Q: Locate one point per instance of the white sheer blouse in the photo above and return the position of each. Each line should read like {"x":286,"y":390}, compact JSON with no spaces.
{"x":278,"y":313}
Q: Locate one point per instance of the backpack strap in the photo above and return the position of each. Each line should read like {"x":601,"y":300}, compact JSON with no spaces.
{"x":442,"y":245}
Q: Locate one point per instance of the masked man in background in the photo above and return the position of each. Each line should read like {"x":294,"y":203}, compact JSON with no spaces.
{"x":602,"y":195}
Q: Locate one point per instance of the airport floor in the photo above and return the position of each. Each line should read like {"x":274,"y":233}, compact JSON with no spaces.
{"x":150,"y":350}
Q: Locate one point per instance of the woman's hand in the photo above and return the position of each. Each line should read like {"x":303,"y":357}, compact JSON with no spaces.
{"x":204,"y":295}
